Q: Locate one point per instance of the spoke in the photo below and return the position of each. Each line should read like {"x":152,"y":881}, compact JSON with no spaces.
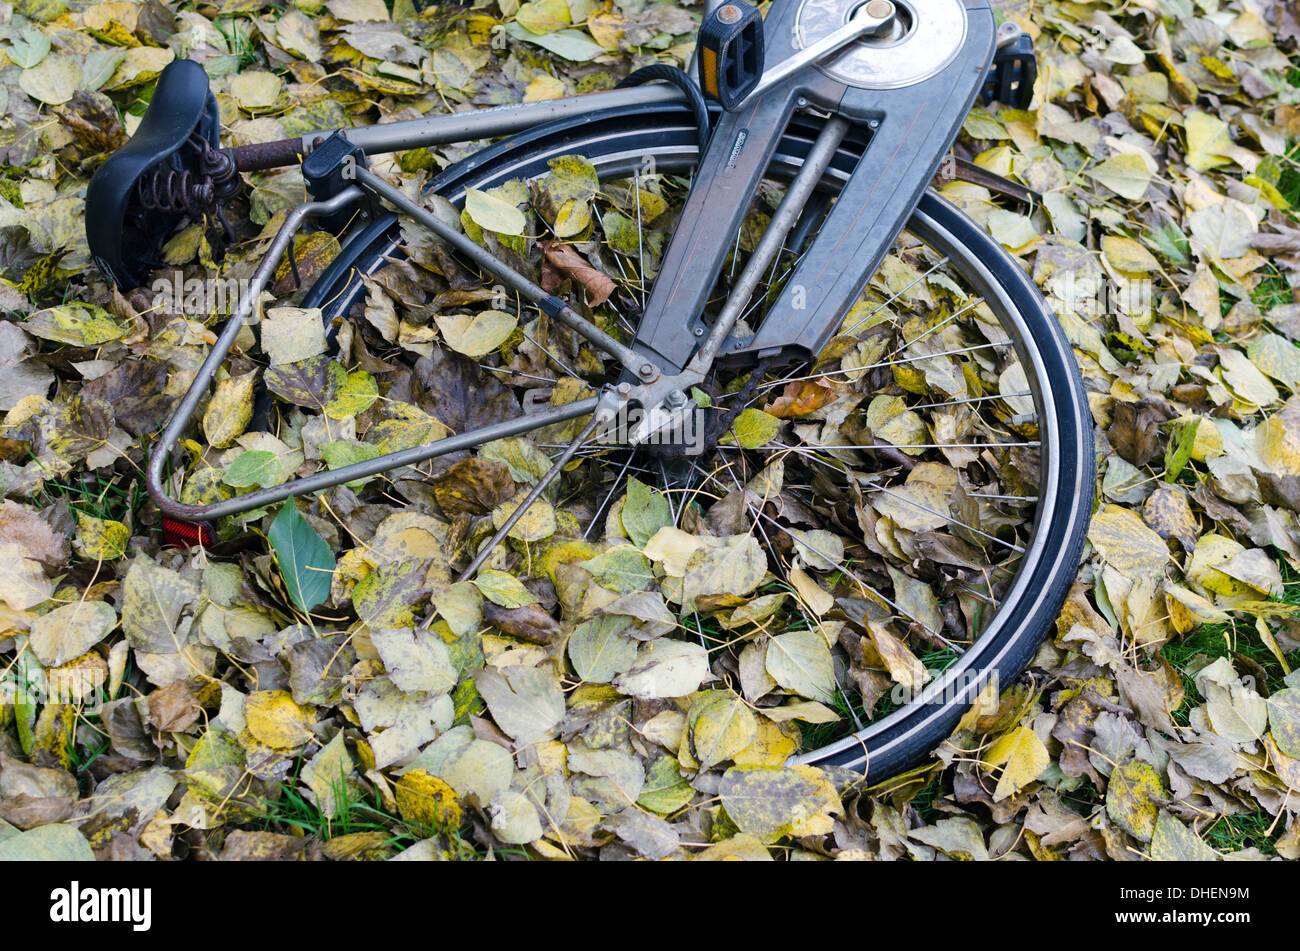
{"x":618,"y":258}
{"x":558,"y":361}
{"x":604,"y":412}
{"x":788,"y":271}
{"x":895,"y":296}
{"x":526,"y":376}
{"x":974,"y":399}
{"x":978,"y":595}
{"x":883,"y":363}
{"x":939,"y":326}
{"x":640,"y":244}
{"x":866,"y":587}
{"x":735,"y":252}
{"x":955,"y":521}
{"x":929,"y":356}
{"x":1004,"y":498}
{"x":926,"y":445}
{"x":618,"y":480}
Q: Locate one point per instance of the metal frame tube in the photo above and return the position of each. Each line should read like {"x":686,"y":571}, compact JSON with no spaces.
{"x":551,"y":304}
{"x":321,"y":480}
{"x":493,"y":122}
{"x":769,"y":246}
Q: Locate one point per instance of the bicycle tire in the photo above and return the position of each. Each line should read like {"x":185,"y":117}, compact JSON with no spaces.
{"x":616,"y":143}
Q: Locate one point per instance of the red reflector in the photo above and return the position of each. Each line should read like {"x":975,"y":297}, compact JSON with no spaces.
{"x":182,"y":534}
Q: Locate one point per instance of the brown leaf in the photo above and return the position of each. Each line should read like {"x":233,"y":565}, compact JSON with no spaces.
{"x":529,"y":623}
{"x":173,"y":709}
{"x":566,"y":260}
{"x":23,"y":527}
{"x":1135,"y":431}
{"x":244,"y":846}
{"x":28,"y":812}
{"x":474,"y":486}
{"x":134,"y":388}
{"x":459,"y":395}
{"x":1167,"y":511}
{"x":92,"y":119}
{"x":800,"y":398}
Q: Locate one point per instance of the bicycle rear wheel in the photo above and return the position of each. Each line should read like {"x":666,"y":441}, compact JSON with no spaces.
{"x":961,"y":500}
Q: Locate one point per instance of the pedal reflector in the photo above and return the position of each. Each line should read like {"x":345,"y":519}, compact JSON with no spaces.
{"x":730,"y":51}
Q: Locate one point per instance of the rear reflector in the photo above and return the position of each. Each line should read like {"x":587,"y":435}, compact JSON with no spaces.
{"x":181,"y":534}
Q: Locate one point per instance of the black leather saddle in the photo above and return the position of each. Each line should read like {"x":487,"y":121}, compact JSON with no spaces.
{"x":131,"y":203}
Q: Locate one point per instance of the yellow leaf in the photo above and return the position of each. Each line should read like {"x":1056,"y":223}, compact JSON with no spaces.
{"x":534,"y":525}
{"x":493,"y":213}
{"x":476,"y":335}
{"x":1126,"y":543}
{"x":100,"y":538}
{"x":275,"y":720}
{"x":427,"y":801}
{"x":543,"y":87}
{"x":1025,"y":757}
{"x":1125,"y":254}
{"x":230,"y":410}
{"x":1127,"y":175}
{"x":1207,"y":136}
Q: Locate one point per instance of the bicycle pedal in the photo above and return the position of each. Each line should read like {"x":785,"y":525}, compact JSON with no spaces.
{"x":730,"y":52}
{"x":1012,"y":75}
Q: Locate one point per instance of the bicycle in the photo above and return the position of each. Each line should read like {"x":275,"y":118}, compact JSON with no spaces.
{"x":961,"y":460}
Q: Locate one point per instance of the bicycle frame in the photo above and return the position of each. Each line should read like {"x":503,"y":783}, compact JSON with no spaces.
{"x":901,"y":136}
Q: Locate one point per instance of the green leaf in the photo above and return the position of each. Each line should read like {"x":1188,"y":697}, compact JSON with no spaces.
{"x":1179,"y":448}
{"x":493,"y":213}
{"x":49,"y":843}
{"x":29,"y":48}
{"x":570,"y":44}
{"x":1170,"y":241}
{"x":644,"y":513}
{"x":800,"y":661}
{"x":257,"y":467}
{"x":1284,"y":720}
{"x":599,"y":650}
{"x":753,"y":428}
{"x":503,"y":589}
{"x":1174,"y":842}
{"x":665,"y":791}
{"x":1125,"y":174}
{"x":306,"y":562}
{"x":345,"y":452}
{"x":620,"y":569}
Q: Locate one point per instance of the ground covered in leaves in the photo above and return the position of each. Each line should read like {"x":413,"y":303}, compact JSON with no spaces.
{"x":628,"y":677}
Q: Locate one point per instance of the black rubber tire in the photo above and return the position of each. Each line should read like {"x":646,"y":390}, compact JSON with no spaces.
{"x":618,"y":142}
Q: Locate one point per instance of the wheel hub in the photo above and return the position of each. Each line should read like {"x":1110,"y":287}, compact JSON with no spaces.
{"x":925,"y":37}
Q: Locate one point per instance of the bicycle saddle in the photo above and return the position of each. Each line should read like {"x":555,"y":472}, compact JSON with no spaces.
{"x":139,"y":195}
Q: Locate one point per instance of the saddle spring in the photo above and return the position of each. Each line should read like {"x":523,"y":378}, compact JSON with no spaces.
{"x":194,"y":194}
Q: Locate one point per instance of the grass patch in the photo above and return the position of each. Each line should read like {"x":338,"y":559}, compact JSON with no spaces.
{"x":849,"y":707}
{"x":1235,"y":638}
{"x":294,"y":814}
{"x":97,"y":496}
{"x":1273,"y":290}
{"x":1234,"y":833}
